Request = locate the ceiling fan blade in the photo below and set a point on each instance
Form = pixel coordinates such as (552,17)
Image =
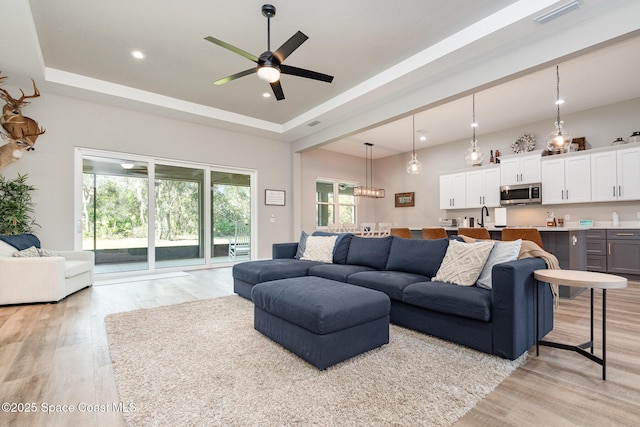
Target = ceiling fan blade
(290,45)
(237,50)
(301,72)
(277,90)
(235,76)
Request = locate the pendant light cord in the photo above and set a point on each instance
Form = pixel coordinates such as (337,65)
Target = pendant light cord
(558,92)
(473,124)
(413,135)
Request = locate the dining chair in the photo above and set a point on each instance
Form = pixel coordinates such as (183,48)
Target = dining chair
(405,233)
(384,229)
(531,234)
(333,227)
(475,233)
(367,229)
(349,227)
(431,233)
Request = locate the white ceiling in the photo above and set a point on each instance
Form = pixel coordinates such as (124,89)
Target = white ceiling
(381,53)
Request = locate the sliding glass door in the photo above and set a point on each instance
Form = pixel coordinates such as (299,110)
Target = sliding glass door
(139,213)
(115,212)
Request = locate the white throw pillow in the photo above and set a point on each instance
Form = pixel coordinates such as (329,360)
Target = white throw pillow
(501,252)
(319,248)
(6,249)
(463,262)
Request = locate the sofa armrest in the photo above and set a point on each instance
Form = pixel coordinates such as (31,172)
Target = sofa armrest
(284,250)
(31,279)
(514,304)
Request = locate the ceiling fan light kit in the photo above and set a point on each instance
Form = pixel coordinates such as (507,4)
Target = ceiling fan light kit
(270,64)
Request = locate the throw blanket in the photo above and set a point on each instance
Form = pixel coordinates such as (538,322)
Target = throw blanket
(21,241)
(529,249)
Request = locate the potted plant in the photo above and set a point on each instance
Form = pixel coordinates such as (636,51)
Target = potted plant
(16,207)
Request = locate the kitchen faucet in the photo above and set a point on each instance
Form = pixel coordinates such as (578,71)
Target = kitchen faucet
(482,211)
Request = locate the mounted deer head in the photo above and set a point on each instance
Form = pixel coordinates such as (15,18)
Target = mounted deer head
(22,129)
(11,151)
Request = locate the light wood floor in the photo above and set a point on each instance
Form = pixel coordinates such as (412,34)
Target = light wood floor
(57,354)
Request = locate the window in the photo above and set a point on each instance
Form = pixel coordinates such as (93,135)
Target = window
(142,213)
(331,209)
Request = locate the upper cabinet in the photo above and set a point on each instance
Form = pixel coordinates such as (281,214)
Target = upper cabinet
(566,179)
(483,188)
(615,175)
(520,169)
(452,191)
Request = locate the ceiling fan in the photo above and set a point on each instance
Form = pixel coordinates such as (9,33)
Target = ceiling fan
(270,64)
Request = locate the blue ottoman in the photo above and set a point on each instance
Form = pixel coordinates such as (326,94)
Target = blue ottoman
(322,321)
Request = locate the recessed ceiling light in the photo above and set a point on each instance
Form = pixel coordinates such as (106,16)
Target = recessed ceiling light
(137,54)
(266,95)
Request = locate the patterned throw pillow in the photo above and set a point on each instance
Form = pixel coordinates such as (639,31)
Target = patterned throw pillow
(29,252)
(319,248)
(463,262)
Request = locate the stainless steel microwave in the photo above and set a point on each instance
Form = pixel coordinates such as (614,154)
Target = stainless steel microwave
(521,194)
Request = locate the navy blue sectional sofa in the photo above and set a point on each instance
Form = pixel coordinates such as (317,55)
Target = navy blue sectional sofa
(498,321)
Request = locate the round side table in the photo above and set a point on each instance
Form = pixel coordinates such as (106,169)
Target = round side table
(582,279)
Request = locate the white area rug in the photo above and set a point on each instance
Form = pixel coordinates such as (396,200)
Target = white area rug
(202,363)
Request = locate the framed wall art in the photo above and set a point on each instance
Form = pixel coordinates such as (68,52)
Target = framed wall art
(405,200)
(274,197)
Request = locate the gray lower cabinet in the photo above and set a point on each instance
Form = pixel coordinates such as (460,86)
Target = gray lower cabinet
(623,251)
(614,251)
(597,250)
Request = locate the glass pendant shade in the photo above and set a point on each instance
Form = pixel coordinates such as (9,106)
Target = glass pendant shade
(559,140)
(414,167)
(474,155)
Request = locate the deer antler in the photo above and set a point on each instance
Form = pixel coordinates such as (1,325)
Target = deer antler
(16,103)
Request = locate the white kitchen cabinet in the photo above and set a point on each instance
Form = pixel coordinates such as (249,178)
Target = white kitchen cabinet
(483,188)
(615,175)
(566,179)
(520,169)
(452,191)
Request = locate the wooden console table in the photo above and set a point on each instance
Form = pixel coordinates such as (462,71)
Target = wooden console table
(582,279)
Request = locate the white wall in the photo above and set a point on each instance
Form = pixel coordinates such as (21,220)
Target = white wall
(73,123)
(600,126)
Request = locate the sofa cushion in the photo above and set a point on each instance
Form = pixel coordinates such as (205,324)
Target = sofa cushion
(30,252)
(341,249)
(472,301)
(370,252)
(390,282)
(463,262)
(21,241)
(417,256)
(253,272)
(319,248)
(336,272)
(73,268)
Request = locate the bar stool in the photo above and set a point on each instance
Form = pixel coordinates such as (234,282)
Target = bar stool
(405,233)
(475,233)
(531,234)
(434,233)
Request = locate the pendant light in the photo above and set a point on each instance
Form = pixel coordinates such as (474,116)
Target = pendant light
(414,167)
(368,190)
(559,140)
(474,155)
